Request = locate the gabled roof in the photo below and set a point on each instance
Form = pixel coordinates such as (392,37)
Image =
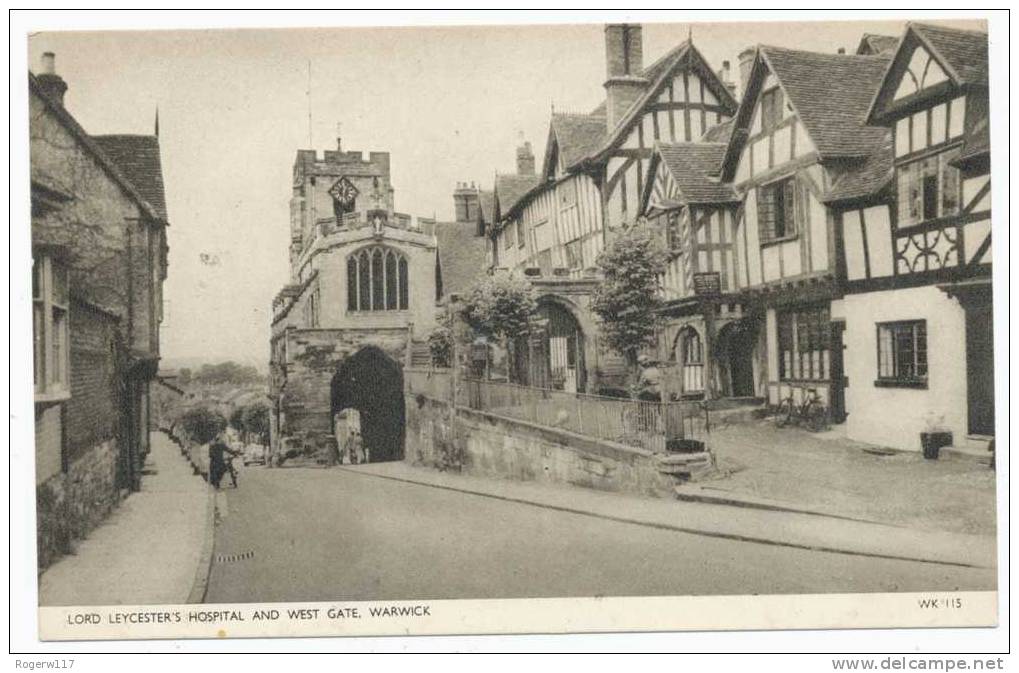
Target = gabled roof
(461,256)
(866,177)
(138,158)
(650,73)
(719,133)
(104,161)
(509,189)
(830,94)
(692,166)
(962,54)
(871,44)
(575,135)
(658,75)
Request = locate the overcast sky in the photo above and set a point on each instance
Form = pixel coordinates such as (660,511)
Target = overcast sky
(449,104)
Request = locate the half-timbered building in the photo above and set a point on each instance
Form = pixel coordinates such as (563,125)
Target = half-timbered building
(913,227)
(799,127)
(594,171)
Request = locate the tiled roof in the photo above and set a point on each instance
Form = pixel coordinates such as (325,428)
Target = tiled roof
(876,44)
(692,165)
(461,255)
(865,177)
(578,135)
(139,160)
(486,204)
(89,143)
(655,75)
(510,188)
(977,141)
(719,133)
(831,94)
(964,51)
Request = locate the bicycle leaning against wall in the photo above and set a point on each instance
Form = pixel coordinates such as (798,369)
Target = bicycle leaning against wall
(809,413)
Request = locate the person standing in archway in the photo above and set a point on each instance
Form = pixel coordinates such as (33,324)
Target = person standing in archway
(355,447)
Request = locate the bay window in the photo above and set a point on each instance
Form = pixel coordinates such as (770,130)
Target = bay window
(928,188)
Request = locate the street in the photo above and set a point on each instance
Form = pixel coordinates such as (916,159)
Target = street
(299,534)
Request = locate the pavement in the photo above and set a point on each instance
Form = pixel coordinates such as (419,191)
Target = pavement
(394,531)
(153,549)
(759,525)
(791,468)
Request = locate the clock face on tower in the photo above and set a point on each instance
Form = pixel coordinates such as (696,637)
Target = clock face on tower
(344,192)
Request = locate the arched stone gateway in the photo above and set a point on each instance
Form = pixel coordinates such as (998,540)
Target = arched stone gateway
(564,349)
(372,383)
(735,349)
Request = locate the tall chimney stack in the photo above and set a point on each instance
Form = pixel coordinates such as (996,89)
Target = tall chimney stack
(52,84)
(525,159)
(746,62)
(624,65)
(725,75)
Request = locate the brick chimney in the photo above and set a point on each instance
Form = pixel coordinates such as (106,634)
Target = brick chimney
(746,62)
(52,84)
(624,61)
(725,75)
(465,202)
(525,159)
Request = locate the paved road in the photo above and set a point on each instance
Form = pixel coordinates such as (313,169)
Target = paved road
(319,535)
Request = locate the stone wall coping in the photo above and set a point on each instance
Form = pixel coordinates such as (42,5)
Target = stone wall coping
(570,440)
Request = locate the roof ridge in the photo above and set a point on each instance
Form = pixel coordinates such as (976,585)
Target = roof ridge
(772,47)
(935,26)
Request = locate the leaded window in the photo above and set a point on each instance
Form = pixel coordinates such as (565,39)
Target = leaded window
(377,280)
(804,344)
(902,353)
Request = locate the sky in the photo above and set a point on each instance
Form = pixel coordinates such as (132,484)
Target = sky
(449,103)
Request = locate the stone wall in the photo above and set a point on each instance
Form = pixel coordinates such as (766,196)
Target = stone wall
(69,505)
(305,394)
(497,446)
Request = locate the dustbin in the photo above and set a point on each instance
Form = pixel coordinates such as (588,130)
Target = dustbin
(932,443)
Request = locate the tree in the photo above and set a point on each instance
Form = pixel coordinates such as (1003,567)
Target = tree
(237,420)
(627,300)
(256,421)
(500,307)
(202,424)
(440,345)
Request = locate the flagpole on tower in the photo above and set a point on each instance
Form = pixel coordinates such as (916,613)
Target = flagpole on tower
(311,144)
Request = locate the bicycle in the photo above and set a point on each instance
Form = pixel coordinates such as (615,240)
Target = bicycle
(810,412)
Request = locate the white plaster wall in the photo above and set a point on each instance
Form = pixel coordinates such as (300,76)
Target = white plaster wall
(895,417)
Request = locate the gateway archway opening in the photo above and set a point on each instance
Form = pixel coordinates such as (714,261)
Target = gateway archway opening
(371,383)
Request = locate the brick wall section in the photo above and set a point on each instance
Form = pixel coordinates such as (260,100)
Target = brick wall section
(92,413)
(496,446)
